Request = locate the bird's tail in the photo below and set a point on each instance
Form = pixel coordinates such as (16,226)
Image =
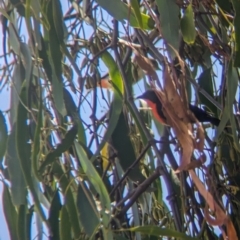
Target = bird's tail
(203,116)
(213,120)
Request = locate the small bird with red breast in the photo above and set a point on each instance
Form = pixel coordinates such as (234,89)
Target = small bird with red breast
(155,104)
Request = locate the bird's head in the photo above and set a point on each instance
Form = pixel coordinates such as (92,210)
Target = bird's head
(149,95)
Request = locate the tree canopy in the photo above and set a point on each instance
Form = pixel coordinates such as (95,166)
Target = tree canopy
(81,158)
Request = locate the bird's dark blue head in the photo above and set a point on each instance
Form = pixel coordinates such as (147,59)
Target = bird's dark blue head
(149,95)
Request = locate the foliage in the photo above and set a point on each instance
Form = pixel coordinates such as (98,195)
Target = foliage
(78,158)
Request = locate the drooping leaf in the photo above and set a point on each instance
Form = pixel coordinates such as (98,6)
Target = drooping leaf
(58,20)
(37,138)
(121,11)
(18,76)
(205,82)
(232,83)
(122,144)
(177,190)
(3,136)
(100,188)
(54,215)
(14,40)
(44,56)
(65,225)
(116,105)
(72,111)
(169,22)
(88,213)
(55,58)
(21,222)
(23,148)
(18,185)
(66,143)
(70,205)
(188,25)
(236,6)
(27,61)
(10,212)
(137,13)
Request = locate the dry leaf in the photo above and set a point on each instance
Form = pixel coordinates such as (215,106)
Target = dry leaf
(199,142)
(178,119)
(220,216)
(196,163)
(145,64)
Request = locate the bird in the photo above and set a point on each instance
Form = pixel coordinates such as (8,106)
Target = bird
(155,104)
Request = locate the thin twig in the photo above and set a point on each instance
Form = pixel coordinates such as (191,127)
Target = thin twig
(141,189)
(131,167)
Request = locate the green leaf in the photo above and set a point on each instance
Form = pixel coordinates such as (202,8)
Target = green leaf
(27,61)
(54,211)
(100,188)
(58,19)
(122,144)
(23,148)
(3,136)
(232,84)
(66,143)
(188,25)
(18,185)
(205,82)
(14,40)
(65,185)
(57,88)
(37,138)
(29,218)
(6,15)
(70,104)
(54,44)
(121,11)
(21,130)
(116,105)
(55,59)
(37,34)
(81,133)
(236,7)
(176,185)
(169,21)
(224,120)
(18,76)
(21,222)
(136,8)
(157,231)
(36,10)
(45,57)
(88,213)
(65,225)
(72,111)
(10,212)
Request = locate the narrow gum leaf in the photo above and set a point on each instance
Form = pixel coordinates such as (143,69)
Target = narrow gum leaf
(121,12)
(137,13)
(188,25)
